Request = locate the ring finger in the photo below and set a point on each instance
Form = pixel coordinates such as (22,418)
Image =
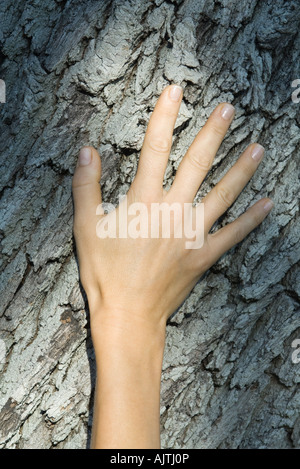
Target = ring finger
(222,196)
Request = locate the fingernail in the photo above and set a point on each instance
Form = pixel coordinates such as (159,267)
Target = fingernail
(257,153)
(175,93)
(227,111)
(85,156)
(268,206)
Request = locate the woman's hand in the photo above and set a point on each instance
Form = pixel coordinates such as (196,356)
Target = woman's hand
(134,284)
(148,278)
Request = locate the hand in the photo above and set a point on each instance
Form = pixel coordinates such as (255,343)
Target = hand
(134,284)
(147,279)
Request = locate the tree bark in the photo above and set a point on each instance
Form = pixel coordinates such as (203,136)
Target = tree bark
(89,73)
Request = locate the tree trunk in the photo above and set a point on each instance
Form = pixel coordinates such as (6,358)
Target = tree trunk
(89,72)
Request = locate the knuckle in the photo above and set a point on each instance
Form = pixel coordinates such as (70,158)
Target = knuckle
(74,181)
(217,130)
(238,234)
(225,195)
(248,170)
(202,162)
(169,113)
(80,178)
(256,218)
(159,145)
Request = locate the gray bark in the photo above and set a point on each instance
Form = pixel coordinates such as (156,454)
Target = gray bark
(90,72)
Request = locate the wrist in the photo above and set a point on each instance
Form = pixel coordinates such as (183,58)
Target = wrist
(135,339)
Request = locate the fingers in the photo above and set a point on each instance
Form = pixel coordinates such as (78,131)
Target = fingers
(199,157)
(157,142)
(222,196)
(85,186)
(232,234)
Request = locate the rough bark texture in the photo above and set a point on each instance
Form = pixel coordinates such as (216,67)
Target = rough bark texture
(89,72)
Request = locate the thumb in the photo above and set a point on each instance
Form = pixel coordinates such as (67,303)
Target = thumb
(86,186)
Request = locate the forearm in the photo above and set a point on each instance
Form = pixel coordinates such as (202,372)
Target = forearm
(127,399)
